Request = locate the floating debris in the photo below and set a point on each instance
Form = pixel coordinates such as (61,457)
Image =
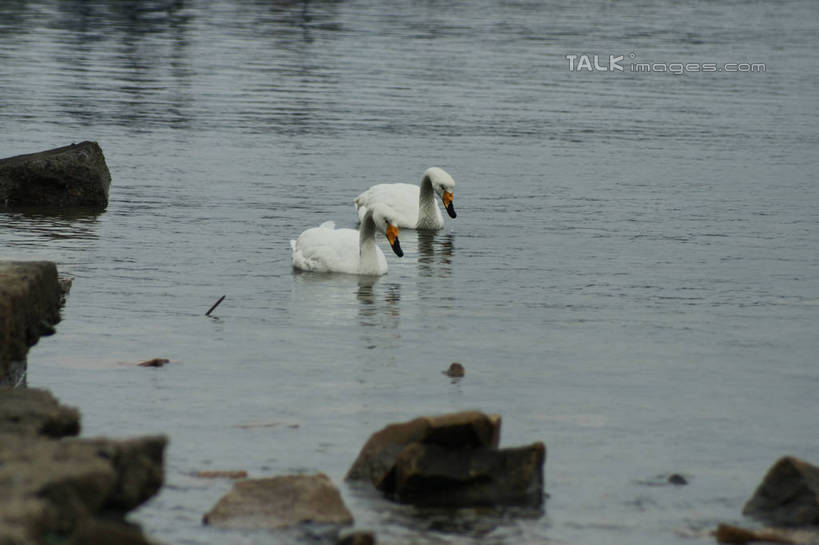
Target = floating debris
(156,362)
(456,370)
(220,474)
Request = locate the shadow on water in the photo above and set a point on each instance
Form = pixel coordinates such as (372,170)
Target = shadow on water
(53,223)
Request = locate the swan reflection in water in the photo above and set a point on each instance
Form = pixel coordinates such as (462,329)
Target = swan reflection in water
(435,253)
(379,304)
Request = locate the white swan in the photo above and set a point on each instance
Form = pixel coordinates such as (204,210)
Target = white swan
(414,206)
(327,249)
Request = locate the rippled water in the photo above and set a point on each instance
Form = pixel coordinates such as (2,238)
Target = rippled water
(632,278)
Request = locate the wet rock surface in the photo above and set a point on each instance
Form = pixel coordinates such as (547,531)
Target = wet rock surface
(30,299)
(788,495)
(57,489)
(281,502)
(469,429)
(451,460)
(70,176)
(431,475)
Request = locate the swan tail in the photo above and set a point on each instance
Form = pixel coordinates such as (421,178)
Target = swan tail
(328,225)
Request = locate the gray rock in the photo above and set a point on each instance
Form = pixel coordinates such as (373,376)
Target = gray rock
(70,176)
(32,412)
(451,460)
(788,495)
(280,502)
(30,298)
(469,429)
(59,490)
(431,475)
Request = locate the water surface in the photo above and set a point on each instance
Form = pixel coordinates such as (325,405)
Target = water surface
(632,277)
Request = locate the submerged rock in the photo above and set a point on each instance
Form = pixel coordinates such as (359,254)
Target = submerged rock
(727,533)
(357,538)
(280,502)
(221,474)
(70,176)
(788,495)
(451,460)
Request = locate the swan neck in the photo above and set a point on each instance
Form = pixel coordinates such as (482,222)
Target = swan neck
(368,259)
(427,211)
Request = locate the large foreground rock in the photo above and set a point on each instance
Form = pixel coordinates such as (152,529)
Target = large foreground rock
(33,412)
(788,495)
(280,502)
(70,176)
(73,491)
(453,461)
(30,298)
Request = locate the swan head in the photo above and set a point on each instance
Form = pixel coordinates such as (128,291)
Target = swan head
(444,186)
(384,217)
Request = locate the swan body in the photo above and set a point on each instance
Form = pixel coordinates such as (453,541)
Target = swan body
(414,205)
(327,249)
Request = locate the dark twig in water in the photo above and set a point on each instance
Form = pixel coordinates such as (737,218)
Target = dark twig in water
(216,304)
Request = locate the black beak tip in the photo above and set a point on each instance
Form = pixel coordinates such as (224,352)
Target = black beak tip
(396,247)
(451,211)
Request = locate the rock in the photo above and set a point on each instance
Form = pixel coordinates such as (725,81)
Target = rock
(139,467)
(156,362)
(469,429)
(451,460)
(70,176)
(788,495)
(432,475)
(94,531)
(456,370)
(677,479)
(280,502)
(61,490)
(30,298)
(32,412)
(727,533)
(357,538)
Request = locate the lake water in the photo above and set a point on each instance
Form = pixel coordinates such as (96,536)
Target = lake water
(632,278)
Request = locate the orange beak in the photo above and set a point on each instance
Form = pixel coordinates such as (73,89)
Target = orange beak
(447,199)
(392,238)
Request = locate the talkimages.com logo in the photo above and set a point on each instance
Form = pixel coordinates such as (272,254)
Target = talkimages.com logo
(583,62)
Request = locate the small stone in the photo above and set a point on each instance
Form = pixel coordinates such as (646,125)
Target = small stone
(156,362)
(677,479)
(456,370)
